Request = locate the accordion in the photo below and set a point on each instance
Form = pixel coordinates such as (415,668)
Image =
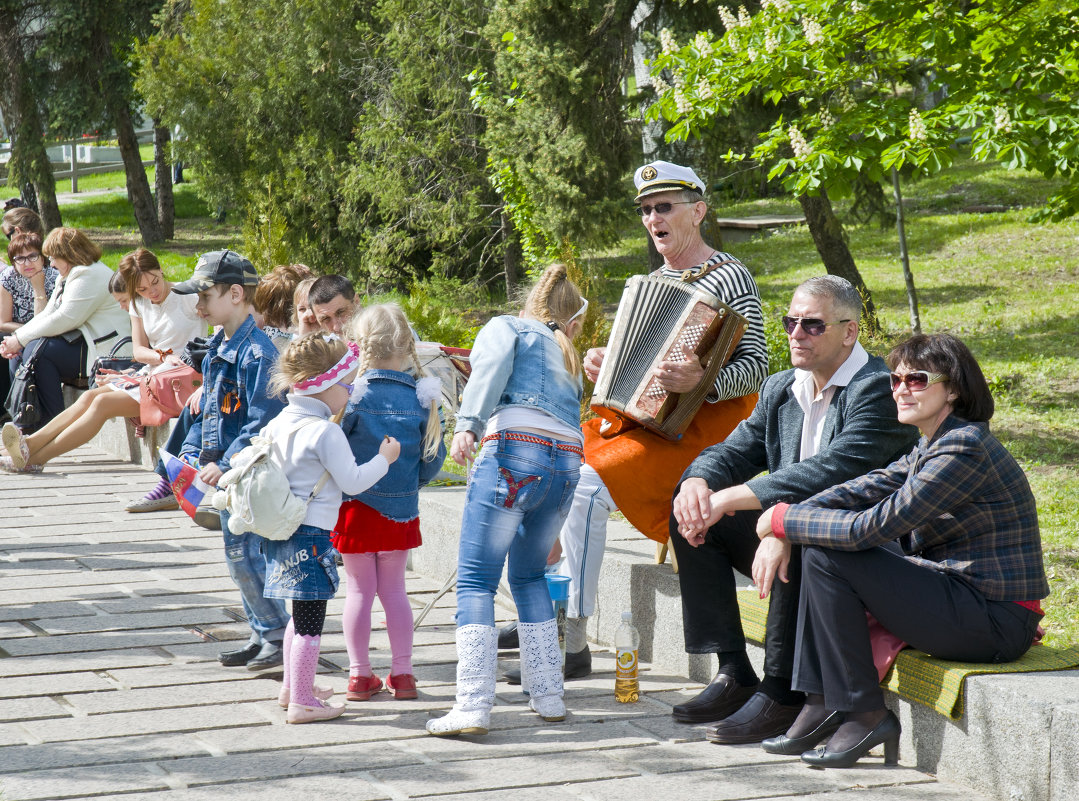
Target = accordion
(657,319)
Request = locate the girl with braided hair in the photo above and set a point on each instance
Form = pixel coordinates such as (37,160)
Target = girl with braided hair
(377,528)
(316,371)
(523,406)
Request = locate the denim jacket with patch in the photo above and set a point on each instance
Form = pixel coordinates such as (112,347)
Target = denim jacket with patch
(517,362)
(236,403)
(389,407)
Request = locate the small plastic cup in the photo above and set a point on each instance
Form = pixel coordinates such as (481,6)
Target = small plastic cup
(558,587)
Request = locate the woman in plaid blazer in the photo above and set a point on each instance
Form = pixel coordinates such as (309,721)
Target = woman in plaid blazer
(941,546)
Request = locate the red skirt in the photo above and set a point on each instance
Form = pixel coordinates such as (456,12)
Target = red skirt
(361,529)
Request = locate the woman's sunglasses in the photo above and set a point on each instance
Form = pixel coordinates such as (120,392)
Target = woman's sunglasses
(811,325)
(917,381)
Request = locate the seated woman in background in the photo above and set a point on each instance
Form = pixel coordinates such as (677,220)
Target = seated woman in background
(162,323)
(19,220)
(964,582)
(25,287)
(80,322)
(274,301)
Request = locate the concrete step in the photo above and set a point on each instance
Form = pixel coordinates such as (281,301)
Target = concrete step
(1019,737)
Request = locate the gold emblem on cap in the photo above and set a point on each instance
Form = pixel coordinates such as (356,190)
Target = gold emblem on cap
(648,173)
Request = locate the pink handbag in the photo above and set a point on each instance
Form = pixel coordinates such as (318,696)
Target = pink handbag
(163,393)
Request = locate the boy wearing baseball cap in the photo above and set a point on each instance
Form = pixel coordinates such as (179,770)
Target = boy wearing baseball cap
(236,404)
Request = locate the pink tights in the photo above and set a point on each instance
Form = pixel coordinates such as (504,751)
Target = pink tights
(381,574)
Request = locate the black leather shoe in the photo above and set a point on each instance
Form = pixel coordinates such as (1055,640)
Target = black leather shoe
(241,656)
(269,656)
(507,637)
(578,666)
(886,732)
(794,746)
(759,718)
(722,697)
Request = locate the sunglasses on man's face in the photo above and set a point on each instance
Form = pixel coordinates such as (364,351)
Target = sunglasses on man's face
(661,208)
(811,325)
(917,380)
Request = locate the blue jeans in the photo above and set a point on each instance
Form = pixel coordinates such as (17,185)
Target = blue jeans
(519,494)
(247,566)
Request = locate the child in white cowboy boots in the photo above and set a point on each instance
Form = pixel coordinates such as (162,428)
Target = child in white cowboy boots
(522,405)
(316,371)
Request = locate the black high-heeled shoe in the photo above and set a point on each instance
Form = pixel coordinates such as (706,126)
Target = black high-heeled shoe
(886,732)
(793,746)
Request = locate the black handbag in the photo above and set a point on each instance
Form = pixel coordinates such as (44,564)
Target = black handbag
(113,362)
(23,403)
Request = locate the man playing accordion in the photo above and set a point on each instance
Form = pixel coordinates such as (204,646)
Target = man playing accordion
(637,471)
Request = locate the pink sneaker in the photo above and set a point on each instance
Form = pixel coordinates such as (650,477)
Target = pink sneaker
(301,713)
(321,693)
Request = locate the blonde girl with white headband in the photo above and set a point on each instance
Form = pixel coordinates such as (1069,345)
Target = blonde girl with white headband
(522,407)
(376,529)
(317,372)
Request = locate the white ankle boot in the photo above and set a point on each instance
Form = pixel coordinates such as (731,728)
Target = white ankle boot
(477,657)
(541,668)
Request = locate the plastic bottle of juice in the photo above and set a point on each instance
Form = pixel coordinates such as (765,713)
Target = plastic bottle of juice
(626,642)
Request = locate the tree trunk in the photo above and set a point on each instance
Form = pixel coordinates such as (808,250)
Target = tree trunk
(166,207)
(831,241)
(511,256)
(904,256)
(29,164)
(138,187)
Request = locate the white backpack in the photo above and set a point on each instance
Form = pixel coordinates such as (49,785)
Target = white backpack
(256,492)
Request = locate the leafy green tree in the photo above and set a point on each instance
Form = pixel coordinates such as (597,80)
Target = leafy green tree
(23,73)
(89,45)
(881,86)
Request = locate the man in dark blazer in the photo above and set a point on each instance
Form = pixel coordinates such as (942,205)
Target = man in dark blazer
(830,419)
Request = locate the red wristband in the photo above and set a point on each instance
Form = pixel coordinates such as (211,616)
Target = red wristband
(778,511)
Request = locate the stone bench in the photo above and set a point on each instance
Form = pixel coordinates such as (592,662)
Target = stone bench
(1018,739)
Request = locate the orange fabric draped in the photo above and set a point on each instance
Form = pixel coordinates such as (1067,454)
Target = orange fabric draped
(641,469)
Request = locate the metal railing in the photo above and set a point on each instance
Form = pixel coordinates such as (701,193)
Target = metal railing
(70,168)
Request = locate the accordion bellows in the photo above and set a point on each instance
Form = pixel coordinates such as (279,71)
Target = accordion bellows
(658,317)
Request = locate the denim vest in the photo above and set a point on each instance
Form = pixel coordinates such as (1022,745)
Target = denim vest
(236,403)
(389,407)
(517,362)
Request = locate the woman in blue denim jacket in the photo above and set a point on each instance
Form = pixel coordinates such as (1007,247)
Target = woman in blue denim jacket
(376,529)
(522,403)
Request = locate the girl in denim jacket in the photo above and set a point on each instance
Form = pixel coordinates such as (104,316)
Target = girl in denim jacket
(316,371)
(375,529)
(522,405)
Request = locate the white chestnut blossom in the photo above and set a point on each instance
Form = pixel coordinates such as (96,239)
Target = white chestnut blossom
(770,42)
(846,100)
(666,41)
(743,17)
(730,22)
(703,46)
(660,85)
(1002,121)
(681,102)
(856,7)
(704,89)
(799,145)
(811,28)
(826,118)
(916,126)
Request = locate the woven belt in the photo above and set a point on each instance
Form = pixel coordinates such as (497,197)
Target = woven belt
(577,449)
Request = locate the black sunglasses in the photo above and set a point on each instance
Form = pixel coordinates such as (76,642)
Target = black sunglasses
(917,380)
(661,208)
(811,325)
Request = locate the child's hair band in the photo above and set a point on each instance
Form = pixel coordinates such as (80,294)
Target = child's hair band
(312,386)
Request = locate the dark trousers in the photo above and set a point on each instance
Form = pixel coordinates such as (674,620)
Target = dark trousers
(57,360)
(710,619)
(7,368)
(176,439)
(936,612)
